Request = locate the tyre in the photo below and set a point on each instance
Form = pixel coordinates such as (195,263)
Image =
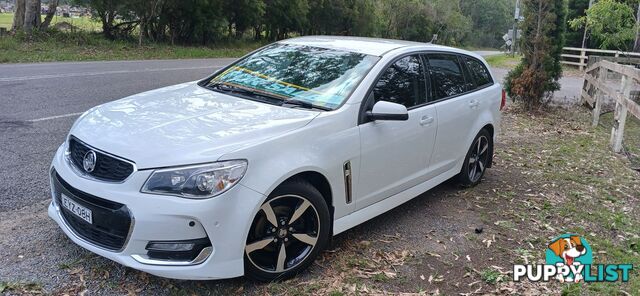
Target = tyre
(287,233)
(477,159)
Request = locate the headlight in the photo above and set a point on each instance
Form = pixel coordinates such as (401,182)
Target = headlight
(198,181)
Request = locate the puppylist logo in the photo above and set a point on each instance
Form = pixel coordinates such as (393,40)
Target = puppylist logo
(569,259)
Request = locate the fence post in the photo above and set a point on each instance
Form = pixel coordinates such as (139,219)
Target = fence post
(583,59)
(599,95)
(620,115)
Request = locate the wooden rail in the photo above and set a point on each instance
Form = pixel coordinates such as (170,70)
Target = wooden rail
(596,89)
(580,56)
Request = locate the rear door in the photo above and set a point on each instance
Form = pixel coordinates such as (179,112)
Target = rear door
(395,154)
(456,106)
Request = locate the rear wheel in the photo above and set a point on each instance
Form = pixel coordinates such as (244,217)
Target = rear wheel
(288,232)
(477,159)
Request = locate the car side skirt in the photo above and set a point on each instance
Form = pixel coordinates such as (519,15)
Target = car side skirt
(345,223)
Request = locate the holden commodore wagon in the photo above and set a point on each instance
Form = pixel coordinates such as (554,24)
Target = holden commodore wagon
(252,170)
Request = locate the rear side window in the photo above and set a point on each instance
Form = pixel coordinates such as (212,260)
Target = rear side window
(446,75)
(402,83)
(479,72)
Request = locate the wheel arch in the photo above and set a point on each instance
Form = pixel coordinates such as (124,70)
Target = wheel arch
(320,182)
(489,127)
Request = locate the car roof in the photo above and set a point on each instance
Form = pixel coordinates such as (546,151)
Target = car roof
(364,45)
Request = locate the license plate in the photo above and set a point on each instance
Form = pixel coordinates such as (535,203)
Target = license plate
(77,209)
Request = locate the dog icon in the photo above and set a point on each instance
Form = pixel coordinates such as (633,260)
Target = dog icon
(568,249)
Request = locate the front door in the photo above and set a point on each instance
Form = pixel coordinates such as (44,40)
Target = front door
(395,154)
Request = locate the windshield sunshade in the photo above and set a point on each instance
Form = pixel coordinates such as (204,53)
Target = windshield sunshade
(318,76)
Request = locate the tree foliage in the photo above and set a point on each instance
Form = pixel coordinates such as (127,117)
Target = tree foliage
(536,77)
(283,17)
(106,11)
(576,9)
(456,22)
(611,23)
(490,18)
(344,17)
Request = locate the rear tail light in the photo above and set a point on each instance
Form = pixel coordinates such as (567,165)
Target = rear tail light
(504,100)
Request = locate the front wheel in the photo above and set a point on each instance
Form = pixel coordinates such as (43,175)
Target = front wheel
(477,159)
(287,233)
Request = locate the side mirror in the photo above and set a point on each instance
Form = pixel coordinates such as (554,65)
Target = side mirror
(383,110)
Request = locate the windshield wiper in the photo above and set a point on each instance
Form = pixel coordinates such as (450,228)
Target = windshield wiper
(303,104)
(265,98)
(227,88)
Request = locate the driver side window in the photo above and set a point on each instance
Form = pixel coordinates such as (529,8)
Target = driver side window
(402,83)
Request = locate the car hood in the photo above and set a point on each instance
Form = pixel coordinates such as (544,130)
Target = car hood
(183,124)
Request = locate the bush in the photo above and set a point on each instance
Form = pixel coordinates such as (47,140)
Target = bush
(536,78)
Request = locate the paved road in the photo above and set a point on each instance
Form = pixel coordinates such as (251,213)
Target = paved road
(39,102)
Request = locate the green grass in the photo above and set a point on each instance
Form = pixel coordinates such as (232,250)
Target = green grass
(631,140)
(479,48)
(82,23)
(503,61)
(598,192)
(491,276)
(21,288)
(84,46)
(87,44)
(6,20)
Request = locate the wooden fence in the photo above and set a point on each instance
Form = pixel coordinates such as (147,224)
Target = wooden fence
(580,56)
(597,87)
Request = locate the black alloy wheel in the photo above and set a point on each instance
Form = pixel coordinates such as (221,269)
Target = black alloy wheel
(477,159)
(288,232)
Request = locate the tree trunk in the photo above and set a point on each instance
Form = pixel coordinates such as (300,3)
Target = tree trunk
(636,45)
(257,30)
(18,16)
(32,15)
(107,24)
(53,5)
(142,28)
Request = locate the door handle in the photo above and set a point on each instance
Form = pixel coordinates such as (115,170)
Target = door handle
(473,104)
(426,120)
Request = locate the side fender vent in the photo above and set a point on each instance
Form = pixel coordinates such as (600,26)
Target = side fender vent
(346,169)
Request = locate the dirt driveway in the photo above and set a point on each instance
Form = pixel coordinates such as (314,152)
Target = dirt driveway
(552,174)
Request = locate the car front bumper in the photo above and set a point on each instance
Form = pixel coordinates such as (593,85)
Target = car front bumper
(225,220)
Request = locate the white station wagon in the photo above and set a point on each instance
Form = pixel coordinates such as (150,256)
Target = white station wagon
(252,170)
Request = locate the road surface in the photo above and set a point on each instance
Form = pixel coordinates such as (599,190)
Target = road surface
(39,103)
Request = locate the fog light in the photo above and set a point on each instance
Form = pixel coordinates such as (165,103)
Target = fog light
(170,247)
(185,250)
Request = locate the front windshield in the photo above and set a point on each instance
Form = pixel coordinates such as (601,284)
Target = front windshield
(317,76)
